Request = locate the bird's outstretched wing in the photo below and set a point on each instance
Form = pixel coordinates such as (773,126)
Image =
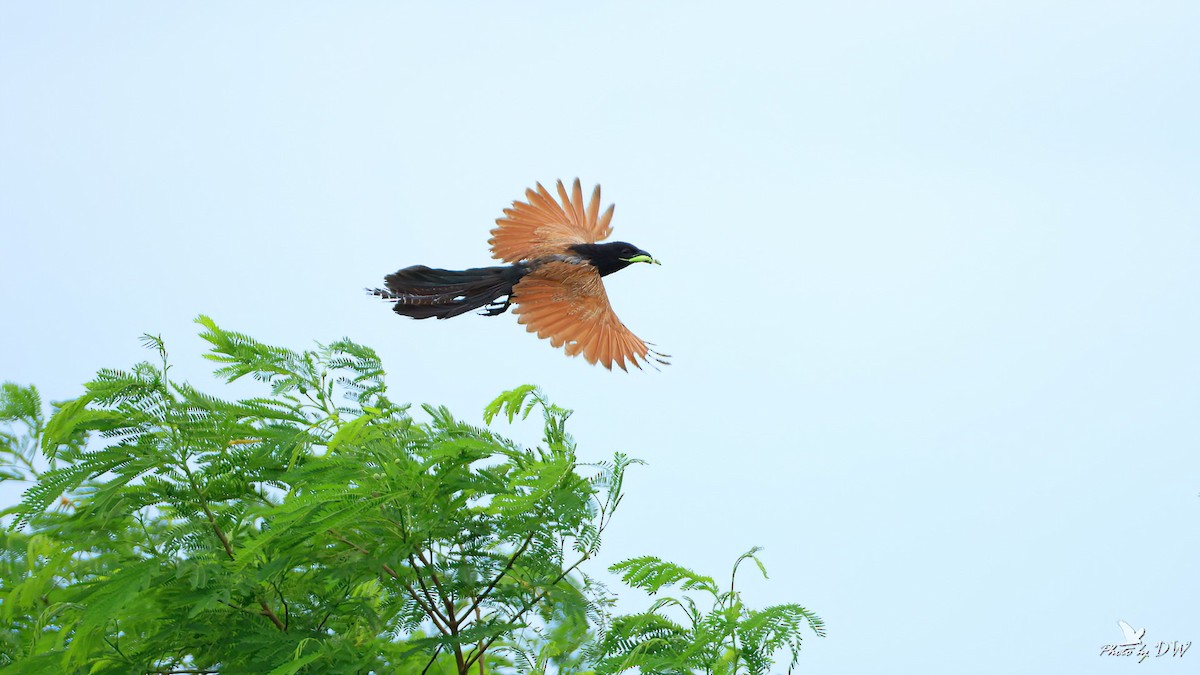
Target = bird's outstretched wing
(567,304)
(542,226)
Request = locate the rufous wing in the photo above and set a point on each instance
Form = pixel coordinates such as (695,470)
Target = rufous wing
(541,226)
(567,304)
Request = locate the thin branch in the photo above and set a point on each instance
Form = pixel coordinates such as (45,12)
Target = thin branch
(512,560)
(19,454)
(386,568)
(528,606)
(321,626)
(448,621)
(212,520)
(446,599)
(430,609)
(148,542)
(448,602)
(431,659)
(333,606)
(116,646)
(286,614)
(478,619)
(266,611)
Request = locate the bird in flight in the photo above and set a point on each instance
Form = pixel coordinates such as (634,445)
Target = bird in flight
(554,278)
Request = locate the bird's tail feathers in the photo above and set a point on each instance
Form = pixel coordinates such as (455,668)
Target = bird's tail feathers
(423,292)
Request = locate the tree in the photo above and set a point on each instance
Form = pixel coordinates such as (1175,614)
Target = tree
(324,528)
(728,638)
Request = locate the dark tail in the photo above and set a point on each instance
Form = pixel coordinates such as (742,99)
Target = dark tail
(422,292)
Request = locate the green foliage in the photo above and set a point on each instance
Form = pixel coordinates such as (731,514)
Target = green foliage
(728,638)
(321,528)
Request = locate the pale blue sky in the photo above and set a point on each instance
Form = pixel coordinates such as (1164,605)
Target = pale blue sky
(930,273)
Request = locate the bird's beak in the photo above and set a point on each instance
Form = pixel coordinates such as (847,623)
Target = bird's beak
(642,257)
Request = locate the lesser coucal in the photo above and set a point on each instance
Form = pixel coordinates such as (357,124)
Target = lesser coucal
(554,279)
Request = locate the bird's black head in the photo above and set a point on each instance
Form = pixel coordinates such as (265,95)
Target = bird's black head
(612,257)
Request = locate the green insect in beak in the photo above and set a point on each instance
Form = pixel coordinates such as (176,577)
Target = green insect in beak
(644,257)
